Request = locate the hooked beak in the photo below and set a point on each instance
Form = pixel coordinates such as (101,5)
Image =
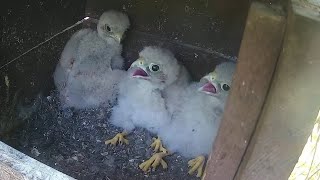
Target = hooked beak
(210,87)
(117,37)
(139,71)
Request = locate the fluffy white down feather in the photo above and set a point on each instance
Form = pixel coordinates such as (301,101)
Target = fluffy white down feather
(87,73)
(195,119)
(140,101)
(194,124)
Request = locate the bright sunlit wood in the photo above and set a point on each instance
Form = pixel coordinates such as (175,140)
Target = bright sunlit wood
(308,166)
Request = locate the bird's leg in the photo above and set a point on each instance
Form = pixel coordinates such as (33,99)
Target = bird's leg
(157,145)
(154,161)
(196,164)
(119,138)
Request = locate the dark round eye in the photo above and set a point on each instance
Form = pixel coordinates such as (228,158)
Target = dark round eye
(225,87)
(155,68)
(108,28)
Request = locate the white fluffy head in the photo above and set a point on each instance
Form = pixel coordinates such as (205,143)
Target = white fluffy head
(156,65)
(218,82)
(113,24)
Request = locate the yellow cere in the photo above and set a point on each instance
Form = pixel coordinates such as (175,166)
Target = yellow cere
(141,61)
(213,76)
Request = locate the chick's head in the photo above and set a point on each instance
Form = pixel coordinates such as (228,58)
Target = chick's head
(218,82)
(113,24)
(157,65)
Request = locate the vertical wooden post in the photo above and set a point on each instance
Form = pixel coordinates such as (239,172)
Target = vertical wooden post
(292,104)
(259,51)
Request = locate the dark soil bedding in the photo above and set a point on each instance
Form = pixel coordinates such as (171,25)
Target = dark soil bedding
(72,142)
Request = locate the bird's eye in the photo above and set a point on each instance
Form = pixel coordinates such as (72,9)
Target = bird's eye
(154,67)
(225,87)
(141,62)
(108,28)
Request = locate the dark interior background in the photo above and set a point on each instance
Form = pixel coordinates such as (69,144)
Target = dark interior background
(25,24)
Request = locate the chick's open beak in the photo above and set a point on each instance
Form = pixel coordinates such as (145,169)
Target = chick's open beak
(139,72)
(139,69)
(210,87)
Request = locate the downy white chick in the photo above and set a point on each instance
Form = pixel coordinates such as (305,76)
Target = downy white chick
(89,68)
(196,117)
(140,101)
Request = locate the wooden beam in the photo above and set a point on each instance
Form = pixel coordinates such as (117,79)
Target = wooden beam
(6,172)
(292,105)
(15,165)
(259,51)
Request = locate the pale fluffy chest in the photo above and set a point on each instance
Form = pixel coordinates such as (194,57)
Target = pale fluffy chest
(94,53)
(200,110)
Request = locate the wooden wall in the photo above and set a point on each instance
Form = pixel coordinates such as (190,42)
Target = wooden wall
(259,51)
(291,107)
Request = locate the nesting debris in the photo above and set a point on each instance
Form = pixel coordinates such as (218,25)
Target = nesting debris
(72,141)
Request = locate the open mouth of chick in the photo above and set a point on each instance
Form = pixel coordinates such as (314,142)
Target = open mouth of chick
(140,73)
(208,88)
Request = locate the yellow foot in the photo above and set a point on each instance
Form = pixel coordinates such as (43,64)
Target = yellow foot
(157,145)
(196,164)
(154,161)
(119,138)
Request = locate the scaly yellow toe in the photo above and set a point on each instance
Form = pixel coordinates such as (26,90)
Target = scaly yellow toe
(119,138)
(157,145)
(154,161)
(196,164)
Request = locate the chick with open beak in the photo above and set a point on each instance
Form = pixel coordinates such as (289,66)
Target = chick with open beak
(150,71)
(140,101)
(140,69)
(213,86)
(197,114)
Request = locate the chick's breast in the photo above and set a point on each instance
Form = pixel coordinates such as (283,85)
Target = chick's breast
(95,54)
(195,121)
(88,81)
